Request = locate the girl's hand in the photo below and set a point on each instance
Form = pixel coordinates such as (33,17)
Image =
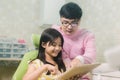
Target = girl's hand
(53,70)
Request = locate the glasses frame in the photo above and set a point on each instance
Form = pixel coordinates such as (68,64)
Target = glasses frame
(73,23)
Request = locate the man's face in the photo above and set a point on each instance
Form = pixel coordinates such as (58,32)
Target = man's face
(69,26)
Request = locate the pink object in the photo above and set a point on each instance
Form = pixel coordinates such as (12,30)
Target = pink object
(82,43)
(21,41)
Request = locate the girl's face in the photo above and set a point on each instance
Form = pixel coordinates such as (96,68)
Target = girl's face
(52,49)
(69,26)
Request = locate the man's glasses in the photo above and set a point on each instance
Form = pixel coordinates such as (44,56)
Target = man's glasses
(73,24)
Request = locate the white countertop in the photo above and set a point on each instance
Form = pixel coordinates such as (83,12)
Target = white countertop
(107,76)
(105,72)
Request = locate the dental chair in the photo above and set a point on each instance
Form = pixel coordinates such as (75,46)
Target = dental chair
(23,65)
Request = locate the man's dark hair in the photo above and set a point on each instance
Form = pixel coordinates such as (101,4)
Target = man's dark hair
(71,11)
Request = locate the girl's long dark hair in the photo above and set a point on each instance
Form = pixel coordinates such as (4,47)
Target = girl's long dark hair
(49,35)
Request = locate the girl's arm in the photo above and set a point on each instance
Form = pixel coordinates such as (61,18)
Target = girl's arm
(34,73)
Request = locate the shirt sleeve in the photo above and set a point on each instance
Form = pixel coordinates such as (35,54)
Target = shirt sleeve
(89,48)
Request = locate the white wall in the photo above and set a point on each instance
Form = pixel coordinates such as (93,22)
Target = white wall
(40,11)
(51,11)
(20,18)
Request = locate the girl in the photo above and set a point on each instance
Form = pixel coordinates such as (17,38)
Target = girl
(49,60)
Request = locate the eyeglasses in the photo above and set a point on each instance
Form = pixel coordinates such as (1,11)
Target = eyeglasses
(73,24)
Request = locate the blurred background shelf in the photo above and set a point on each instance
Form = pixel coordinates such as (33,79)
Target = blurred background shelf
(12,49)
(10,59)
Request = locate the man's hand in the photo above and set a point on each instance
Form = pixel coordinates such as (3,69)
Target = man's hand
(75,62)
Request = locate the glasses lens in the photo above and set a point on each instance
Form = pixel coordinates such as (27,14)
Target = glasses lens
(65,24)
(73,24)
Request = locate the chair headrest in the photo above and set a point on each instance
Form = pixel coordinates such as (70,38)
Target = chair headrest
(35,40)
